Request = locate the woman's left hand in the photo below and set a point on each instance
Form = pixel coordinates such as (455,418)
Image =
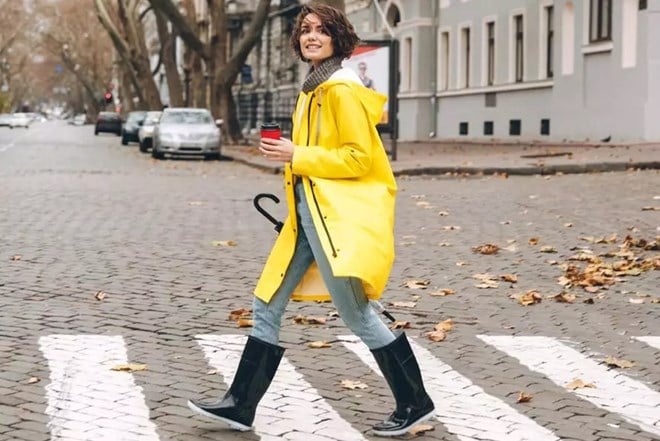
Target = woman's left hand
(279,150)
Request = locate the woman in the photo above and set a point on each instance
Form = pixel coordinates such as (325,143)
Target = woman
(340,192)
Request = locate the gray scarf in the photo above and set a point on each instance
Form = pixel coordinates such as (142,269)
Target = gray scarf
(321,73)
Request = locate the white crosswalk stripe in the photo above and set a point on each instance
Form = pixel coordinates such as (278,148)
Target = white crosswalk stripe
(291,407)
(651,341)
(86,399)
(613,391)
(464,408)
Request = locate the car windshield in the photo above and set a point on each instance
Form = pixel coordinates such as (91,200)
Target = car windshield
(152,118)
(136,116)
(186,118)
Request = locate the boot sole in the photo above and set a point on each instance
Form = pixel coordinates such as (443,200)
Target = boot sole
(232,424)
(399,432)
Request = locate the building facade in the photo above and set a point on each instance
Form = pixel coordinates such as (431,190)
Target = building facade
(554,70)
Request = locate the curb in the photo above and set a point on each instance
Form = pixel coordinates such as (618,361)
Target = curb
(596,167)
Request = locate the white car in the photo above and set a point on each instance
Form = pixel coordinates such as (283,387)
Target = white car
(187,132)
(146,130)
(19,120)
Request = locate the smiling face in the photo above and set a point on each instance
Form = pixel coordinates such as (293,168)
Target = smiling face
(315,42)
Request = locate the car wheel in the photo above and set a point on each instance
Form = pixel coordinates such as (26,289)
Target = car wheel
(124,141)
(212,157)
(143,147)
(96,133)
(155,153)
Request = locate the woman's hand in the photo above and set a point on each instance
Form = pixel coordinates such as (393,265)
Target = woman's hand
(279,150)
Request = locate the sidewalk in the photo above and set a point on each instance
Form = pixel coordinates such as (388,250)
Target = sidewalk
(458,157)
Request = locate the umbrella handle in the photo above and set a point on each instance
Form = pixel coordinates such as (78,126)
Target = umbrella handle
(267,215)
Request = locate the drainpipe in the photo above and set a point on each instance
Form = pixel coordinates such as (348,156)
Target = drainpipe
(434,70)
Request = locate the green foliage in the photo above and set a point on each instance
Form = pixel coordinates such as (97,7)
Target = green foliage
(5,103)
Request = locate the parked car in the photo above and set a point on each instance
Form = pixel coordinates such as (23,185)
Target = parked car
(186,132)
(78,120)
(19,120)
(4,119)
(146,131)
(129,131)
(108,122)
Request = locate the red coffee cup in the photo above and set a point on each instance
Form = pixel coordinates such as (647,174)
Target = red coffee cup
(271,130)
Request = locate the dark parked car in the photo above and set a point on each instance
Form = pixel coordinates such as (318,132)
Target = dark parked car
(108,122)
(129,131)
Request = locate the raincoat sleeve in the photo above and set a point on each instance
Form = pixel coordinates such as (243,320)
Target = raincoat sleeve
(351,156)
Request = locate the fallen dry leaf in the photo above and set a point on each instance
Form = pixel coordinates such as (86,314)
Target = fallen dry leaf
(533,241)
(564,297)
(224,243)
(618,362)
(461,263)
(530,298)
(511,278)
(33,380)
(443,292)
(239,313)
(443,213)
(244,323)
(403,304)
(400,324)
(524,397)
(130,367)
(637,301)
(568,225)
(436,335)
(417,284)
(16,257)
(578,384)
(308,320)
(100,295)
(548,249)
(353,384)
(655,300)
(195,203)
(487,249)
(650,208)
(445,325)
(420,429)
(319,345)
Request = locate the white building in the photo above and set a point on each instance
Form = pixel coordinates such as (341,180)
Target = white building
(523,69)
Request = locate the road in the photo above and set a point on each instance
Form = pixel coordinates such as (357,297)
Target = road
(110,258)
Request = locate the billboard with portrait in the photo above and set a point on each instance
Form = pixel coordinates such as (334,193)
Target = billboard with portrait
(375,62)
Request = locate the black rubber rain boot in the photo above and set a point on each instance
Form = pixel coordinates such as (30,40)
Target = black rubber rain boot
(255,372)
(413,405)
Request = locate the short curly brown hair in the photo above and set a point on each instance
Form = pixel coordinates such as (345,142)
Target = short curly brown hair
(336,24)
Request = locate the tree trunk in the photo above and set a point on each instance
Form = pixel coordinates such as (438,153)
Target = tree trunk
(168,57)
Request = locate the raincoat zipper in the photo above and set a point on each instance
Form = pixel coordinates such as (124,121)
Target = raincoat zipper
(311,184)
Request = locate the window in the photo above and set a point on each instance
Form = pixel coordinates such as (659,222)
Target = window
(465,58)
(444,60)
(514,127)
(549,42)
(463,128)
(519,48)
(490,32)
(600,20)
(545,126)
(643,4)
(488,128)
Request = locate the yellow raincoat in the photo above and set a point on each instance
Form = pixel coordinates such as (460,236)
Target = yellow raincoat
(349,185)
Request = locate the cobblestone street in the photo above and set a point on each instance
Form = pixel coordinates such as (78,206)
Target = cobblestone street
(81,214)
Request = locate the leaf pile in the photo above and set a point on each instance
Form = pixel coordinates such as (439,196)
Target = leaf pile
(591,272)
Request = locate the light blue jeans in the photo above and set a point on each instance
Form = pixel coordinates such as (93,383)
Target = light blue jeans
(347,293)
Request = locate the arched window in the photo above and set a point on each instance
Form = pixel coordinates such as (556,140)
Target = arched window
(393,16)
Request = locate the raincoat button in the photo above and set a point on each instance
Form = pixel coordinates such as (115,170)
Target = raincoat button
(281,274)
(288,183)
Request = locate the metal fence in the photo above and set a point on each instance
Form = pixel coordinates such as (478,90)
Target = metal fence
(257,106)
